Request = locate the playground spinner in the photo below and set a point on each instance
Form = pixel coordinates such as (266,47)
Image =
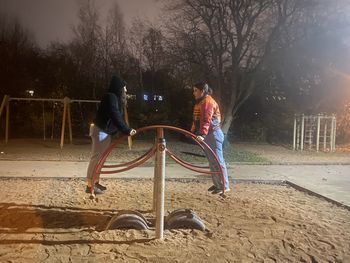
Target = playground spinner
(159,150)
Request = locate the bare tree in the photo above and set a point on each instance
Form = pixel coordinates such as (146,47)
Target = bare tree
(112,39)
(136,40)
(17,49)
(230,40)
(153,51)
(85,44)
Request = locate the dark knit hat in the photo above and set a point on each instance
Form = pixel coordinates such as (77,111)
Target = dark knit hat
(116,85)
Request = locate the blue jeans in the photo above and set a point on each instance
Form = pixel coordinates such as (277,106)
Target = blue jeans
(100,142)
(215,139)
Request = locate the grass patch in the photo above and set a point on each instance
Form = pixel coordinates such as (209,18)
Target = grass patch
(235,155)
(231,154)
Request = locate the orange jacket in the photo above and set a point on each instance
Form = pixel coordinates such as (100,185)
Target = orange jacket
(206,116)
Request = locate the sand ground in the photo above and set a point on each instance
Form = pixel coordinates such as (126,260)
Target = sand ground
(53,220)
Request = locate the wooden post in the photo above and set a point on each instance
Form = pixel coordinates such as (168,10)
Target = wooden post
(69,121)
(53,120)
(63,121)
(7,121)
(4,103)
(44,123)
(126,117)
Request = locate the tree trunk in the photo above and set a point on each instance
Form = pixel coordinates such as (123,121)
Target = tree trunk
(229,117)
(237,101)
(227,124)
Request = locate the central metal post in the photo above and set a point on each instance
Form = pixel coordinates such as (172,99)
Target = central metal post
(159,182)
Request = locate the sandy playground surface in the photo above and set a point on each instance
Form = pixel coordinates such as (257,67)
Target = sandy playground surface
(53,220)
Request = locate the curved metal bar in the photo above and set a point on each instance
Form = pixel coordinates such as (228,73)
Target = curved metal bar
(202,144)
(105,154)
(135,164)
(103,158)
(131,162)
(187,165)
(180,161)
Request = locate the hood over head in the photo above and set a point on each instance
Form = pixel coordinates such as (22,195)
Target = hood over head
(116,85)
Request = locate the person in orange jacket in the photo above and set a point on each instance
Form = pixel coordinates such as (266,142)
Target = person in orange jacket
(206,125)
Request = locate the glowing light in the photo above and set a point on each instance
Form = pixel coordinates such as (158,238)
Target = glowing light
(31,92)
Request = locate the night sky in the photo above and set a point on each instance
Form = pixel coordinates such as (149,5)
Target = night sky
(51,20)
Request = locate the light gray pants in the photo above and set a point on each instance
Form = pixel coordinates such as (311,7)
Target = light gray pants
(100,142)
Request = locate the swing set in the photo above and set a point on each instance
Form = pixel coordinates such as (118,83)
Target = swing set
(66,116)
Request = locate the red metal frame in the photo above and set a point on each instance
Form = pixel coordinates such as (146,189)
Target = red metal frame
(188,165)
(131,162)
(140,160)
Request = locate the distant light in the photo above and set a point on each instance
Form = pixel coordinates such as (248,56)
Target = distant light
(131,96)
(154,97)
(158,97)
(31,92)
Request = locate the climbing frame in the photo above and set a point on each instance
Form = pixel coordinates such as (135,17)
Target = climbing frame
(312,131)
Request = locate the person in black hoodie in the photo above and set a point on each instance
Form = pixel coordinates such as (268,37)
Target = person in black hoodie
(109,120)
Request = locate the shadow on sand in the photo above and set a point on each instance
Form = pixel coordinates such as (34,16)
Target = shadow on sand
(22,219)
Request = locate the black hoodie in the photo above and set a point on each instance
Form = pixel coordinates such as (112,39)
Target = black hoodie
(109,117)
